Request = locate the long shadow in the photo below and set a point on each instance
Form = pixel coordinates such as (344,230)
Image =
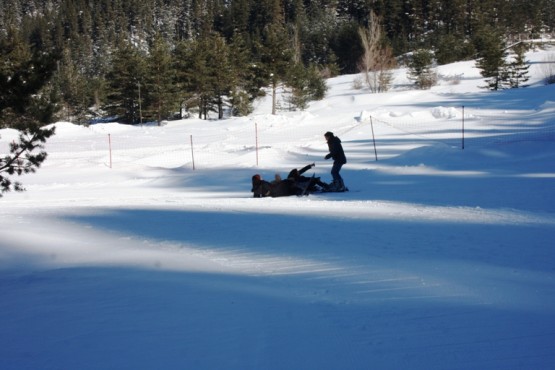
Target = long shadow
(441,174)
(347,241)
(101,318)
(390,292)
(491,176)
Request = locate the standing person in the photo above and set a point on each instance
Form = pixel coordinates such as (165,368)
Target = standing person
(339,159)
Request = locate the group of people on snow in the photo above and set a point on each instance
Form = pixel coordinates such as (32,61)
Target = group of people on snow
(298,184)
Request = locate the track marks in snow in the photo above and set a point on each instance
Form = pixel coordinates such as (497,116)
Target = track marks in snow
(328,279)
(375,210)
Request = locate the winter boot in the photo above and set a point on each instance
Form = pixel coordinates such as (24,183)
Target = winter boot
(341,186)
(333,186)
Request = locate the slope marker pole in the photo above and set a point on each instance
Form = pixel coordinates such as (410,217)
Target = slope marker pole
(374,138)
(192,153)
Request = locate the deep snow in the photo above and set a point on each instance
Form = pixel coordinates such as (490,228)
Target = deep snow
(438,257)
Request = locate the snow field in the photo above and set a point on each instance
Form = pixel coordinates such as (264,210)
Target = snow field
(438,257)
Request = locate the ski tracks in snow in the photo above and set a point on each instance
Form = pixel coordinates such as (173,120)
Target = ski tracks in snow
(363,275)
(340,277)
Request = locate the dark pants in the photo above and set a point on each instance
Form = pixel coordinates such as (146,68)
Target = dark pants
(335,172)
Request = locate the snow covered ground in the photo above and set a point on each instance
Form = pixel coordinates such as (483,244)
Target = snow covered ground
(157,257)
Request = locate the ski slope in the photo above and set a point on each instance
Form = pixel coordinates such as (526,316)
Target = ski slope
(154,255)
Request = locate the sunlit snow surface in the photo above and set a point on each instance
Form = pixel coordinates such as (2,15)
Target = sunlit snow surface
(155,255)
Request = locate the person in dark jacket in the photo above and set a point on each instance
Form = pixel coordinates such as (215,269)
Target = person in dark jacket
(339,159)
(283,188)
(262,188)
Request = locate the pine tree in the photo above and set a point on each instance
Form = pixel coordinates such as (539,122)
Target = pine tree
(246,86)
(24,106)
(219,72)
(347,51)
(326,34)
(316,28)
(263,14)
(182,59)
(159,82)
(276,57)
(452,15)
(396,23)
(518,69)
(73,89)
(451,48)
(204,73)
(10,17)
(356,10)
(128,72)
(421,69)
(198,73)
(235,18)
(306,84)
(492,61)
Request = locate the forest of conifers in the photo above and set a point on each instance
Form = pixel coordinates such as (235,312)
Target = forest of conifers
(148,59)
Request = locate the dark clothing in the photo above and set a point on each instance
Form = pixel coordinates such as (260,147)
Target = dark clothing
(262,188)
(303,183)
(335,171)
(336,150)
(338,155)
(296,174)
(283,188)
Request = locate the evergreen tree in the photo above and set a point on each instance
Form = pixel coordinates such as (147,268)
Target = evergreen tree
(236,18)
(356,10)
(346,46)
(264,13)
(10,17)
(198,77)
(246,85)
(183,26)
(159,100)
(219,72)
(276,57)
(128,73)
(73,89)
(418,24)
(326,32)
(24,106)
(306,84)
(395,22)
(492,61)
(518,69)
(205,74)
(316,32)
(421,69)
(451,17)
(451,48)
(184,75)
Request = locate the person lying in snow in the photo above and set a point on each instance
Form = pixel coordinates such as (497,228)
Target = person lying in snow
(295,184)
(260,188)
(306,184)
(277,188)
